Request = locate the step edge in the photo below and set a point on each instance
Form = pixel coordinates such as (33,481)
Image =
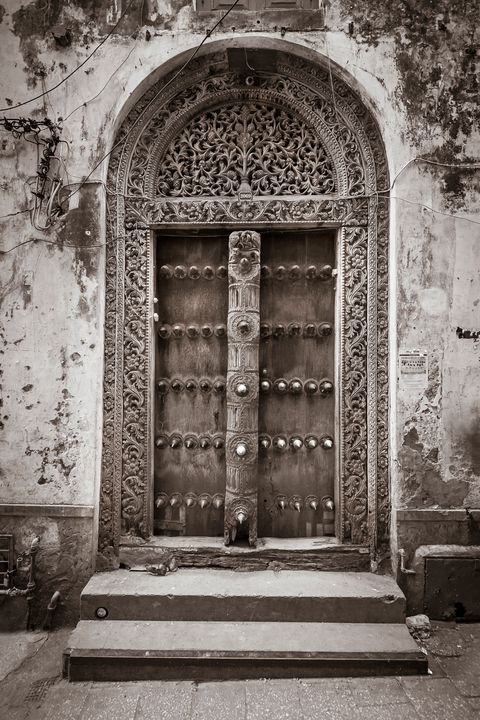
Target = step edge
(246,655)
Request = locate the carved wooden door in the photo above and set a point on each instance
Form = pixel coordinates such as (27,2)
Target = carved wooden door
(297,399)
(244,394)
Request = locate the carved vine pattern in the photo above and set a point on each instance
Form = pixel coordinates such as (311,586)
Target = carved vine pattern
(352,144)
(354,384)
(269,150)
(242,385)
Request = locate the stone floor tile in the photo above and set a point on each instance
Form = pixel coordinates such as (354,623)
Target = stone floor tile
(330,688)
(164,701)
(218,701)
(377,691)
(463,668)
(469,631)
(474,702)
(467,687)
(109,704)
(435,667)
(437,699)
(326,700)
(17,647)
(273,700)
(465,675)
(63,701)
(446,641)
(464,671)
(397,711)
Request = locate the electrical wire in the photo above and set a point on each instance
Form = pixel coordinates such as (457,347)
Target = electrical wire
(50,242)
(376,193)
(87,102)
(13,214)
(84,62)
(162,89)
(461,218)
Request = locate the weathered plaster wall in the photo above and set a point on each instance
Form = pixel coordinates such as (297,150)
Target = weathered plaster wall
(438,291)
(415,63)
(52,307)
(63,560)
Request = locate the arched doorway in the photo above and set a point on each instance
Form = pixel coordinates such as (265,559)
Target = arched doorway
(282,153)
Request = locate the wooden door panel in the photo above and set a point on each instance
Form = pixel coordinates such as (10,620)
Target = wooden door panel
(297,312)
(296,355)
(190,371)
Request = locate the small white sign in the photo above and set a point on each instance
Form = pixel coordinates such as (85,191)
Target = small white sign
(413,369)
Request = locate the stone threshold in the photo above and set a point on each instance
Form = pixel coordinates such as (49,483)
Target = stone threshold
(320,553)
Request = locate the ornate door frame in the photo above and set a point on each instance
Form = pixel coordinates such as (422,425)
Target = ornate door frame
(137,204)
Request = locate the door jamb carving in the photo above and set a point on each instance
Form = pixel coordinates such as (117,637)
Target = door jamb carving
(364,502)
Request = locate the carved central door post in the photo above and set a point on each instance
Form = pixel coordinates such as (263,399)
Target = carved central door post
(242,385)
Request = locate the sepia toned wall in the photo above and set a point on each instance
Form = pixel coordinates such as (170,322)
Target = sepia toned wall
(416,67)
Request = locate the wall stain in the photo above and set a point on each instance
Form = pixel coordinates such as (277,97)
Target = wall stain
(33,22)
(56,460)
(436,96)
(471,443)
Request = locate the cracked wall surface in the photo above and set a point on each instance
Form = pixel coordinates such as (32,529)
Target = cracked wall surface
(416,64)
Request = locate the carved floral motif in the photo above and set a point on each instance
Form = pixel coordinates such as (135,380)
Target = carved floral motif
(345,211)
(242,384)
(250,149)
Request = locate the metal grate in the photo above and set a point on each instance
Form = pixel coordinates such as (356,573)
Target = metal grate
(38,689)
(6,561)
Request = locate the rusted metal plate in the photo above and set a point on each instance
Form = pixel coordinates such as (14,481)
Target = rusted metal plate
(452,588)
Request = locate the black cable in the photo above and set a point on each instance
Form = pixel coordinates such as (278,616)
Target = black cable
(162,89)
(50,242)
(59,243)
(86,102)
(37,97)
(18,212)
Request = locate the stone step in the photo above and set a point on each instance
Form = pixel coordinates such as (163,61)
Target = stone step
(226,595)
(129,650)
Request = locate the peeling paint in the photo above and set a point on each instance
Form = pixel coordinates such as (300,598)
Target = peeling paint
(440,97)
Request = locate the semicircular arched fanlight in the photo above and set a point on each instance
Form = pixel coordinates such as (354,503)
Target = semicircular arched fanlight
(245,150)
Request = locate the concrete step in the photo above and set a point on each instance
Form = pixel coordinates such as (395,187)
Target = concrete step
(226,595)
(128,650)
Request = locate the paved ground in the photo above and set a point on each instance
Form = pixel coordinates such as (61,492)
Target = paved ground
(31,688)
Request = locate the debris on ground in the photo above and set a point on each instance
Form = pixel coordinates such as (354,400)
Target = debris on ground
(419,626)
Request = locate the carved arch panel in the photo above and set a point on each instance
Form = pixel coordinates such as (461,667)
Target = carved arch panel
(330,165)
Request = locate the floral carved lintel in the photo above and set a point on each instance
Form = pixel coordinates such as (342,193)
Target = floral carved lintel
(341,211)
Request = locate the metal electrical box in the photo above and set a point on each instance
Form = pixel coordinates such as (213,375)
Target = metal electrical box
(452,588)
(6,561)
